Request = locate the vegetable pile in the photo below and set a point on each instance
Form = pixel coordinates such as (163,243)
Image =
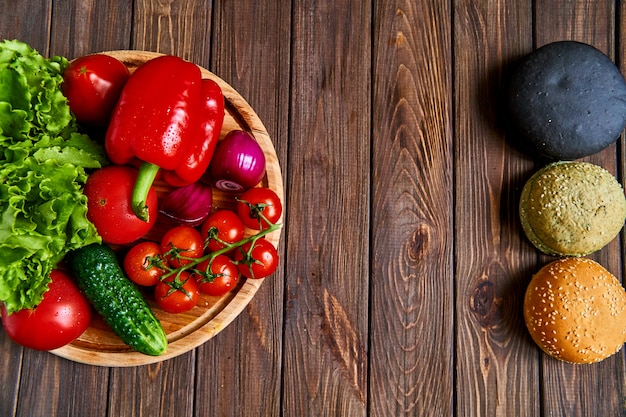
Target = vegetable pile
(43,162)
(91,205)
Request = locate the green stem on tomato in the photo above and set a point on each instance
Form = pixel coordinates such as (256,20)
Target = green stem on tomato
(210,256)
(145,178)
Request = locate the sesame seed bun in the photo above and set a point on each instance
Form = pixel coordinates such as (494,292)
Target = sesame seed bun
(572,208)
(575,310)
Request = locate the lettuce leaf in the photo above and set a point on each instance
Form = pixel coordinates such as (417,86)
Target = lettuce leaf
(43,163)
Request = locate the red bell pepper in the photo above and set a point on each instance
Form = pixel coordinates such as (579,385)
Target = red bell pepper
(205,141)
(166,118)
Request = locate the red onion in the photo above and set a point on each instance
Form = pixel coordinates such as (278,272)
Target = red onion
(189,205)
(238,162)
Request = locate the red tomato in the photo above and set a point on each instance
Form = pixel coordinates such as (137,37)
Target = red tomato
(177,293)
(62,316)
(221,276)
(258,262)
(144,263)
(109,206)
(222,226)
(258,206)
(181,242)
(92,85)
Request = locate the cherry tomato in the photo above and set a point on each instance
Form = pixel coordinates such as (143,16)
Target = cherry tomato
(62,316)
(177,293)
(257,206)
(222,226)
(144,263)
(259,262)
(181,242)
(92,85)
(109,206)
(221,276)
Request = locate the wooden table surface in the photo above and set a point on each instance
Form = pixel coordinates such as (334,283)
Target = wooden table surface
(403,260)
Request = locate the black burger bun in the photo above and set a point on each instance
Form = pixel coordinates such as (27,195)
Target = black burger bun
(566,100)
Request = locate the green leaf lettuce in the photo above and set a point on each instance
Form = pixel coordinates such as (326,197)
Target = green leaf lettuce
(43,162)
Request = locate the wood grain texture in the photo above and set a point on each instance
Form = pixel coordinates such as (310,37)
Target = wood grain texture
(564,385)
(181,28)
(30,21)
(492,260)
(411,331)
(27,19)
(90,26)
(403,261)
(62,387)
(329,151)
(241,370)
(620,59)
(161,389)
(158,386)
(11,365)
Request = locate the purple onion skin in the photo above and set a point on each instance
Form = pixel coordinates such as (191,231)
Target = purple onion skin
(238,162)
(189,205)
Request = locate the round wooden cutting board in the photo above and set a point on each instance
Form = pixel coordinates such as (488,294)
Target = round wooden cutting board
(185,331)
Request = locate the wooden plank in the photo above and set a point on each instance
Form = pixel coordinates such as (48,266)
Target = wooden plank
(181,28)
(496,370)
(61,387)
(10,374)
(73,389)
(620,59)
(314,118)
(84,393)
(27,21)
(325,352)
(591,22)
(412,310)
(84,27)
(620,384)
(241,368)
(178,28)
(41,374)
(595,389)
(161,389)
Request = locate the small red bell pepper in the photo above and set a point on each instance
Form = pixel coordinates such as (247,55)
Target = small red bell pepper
(168,119)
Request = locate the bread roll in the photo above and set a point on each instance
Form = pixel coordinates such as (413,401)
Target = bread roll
(575,310)
(566,100)
(572,208)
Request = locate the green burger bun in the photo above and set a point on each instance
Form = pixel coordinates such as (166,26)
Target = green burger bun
(570,208)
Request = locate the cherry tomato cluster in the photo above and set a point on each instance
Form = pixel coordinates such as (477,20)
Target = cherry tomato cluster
(209,259)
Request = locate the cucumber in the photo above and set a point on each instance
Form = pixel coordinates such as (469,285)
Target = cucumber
(121,304)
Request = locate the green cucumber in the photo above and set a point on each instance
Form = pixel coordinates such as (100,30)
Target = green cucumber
(121,304)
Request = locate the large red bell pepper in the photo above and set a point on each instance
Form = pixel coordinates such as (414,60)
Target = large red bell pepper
(203,146)
(168,118)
